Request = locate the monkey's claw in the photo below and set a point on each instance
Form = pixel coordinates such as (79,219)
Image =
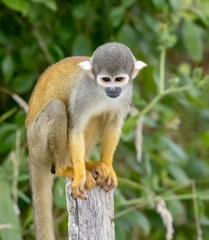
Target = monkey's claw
(78,189)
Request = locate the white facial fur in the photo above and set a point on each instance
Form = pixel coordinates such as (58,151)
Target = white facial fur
(116,81)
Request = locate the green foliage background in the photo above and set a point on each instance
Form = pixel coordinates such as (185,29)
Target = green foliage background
(174,167)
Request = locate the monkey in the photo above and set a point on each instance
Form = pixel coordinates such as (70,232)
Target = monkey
(76,102)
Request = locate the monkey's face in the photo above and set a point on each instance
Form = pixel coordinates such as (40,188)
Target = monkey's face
(113,85)
(113,66)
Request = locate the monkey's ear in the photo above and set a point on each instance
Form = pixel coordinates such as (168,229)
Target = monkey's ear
(86,65)
(138,66)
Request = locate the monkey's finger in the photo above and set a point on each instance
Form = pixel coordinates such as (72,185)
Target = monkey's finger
(101,179)
(108,185)
(79,192)
(82,193)
(90,181)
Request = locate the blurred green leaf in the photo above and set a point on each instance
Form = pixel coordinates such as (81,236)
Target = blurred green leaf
(59,193)
(175,4)
(18,5)
(51,4)
(197,168)
(81,46)
(178,173)
(139,219)
(159,3)
(127,35)
(173,152)
(204,221)
(116,16)
(120,232)
(118,197)
(177,210)
(128,3)
(192,40)
(205,137)
(29,218)
(8,215)
(81,11)
(20,117)
(7,137)
(22,83)
(8,67)
(58,50)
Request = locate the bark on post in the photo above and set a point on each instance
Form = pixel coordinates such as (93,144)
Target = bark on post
(92,219)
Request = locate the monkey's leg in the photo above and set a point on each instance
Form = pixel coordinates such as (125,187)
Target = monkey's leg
(47,143)
(53,119)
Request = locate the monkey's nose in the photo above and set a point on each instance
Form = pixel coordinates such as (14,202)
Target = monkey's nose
(113,92)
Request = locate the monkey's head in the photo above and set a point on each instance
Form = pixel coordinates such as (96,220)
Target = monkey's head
(113,66)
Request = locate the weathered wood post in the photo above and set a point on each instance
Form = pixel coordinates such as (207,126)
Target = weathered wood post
(92,219)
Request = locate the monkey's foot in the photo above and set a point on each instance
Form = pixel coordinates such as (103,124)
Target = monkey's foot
(78,188)
(105,176)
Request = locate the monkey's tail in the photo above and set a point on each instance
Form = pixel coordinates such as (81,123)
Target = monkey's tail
(42,182)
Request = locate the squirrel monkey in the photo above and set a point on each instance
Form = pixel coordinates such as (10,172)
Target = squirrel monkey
(76,101)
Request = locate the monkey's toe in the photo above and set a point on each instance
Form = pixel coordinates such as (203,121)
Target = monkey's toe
(90,181)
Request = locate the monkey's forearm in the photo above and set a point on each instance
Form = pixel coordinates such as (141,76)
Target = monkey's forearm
(77,150)
(110,139)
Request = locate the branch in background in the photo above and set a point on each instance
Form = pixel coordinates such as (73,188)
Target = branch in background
(22,103)
(15,157)
(162,91)
(162,71)
(43,46)
(166,218)
(5,226)
(7,114)
(196,212)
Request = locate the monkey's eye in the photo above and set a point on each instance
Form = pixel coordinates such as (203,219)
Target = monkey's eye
(106,79)
(119,79)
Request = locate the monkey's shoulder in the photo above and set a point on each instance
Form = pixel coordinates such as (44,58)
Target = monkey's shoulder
(57,82)
(67,66)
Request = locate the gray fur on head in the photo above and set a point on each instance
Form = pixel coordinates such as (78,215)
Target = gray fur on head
(112,58)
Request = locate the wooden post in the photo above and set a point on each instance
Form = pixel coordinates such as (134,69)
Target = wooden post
(92,219)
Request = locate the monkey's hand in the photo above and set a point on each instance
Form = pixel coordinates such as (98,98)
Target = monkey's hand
(78,186)
(105,176)
(90,181)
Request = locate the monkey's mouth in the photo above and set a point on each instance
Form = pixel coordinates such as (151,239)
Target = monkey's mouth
(113,92)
